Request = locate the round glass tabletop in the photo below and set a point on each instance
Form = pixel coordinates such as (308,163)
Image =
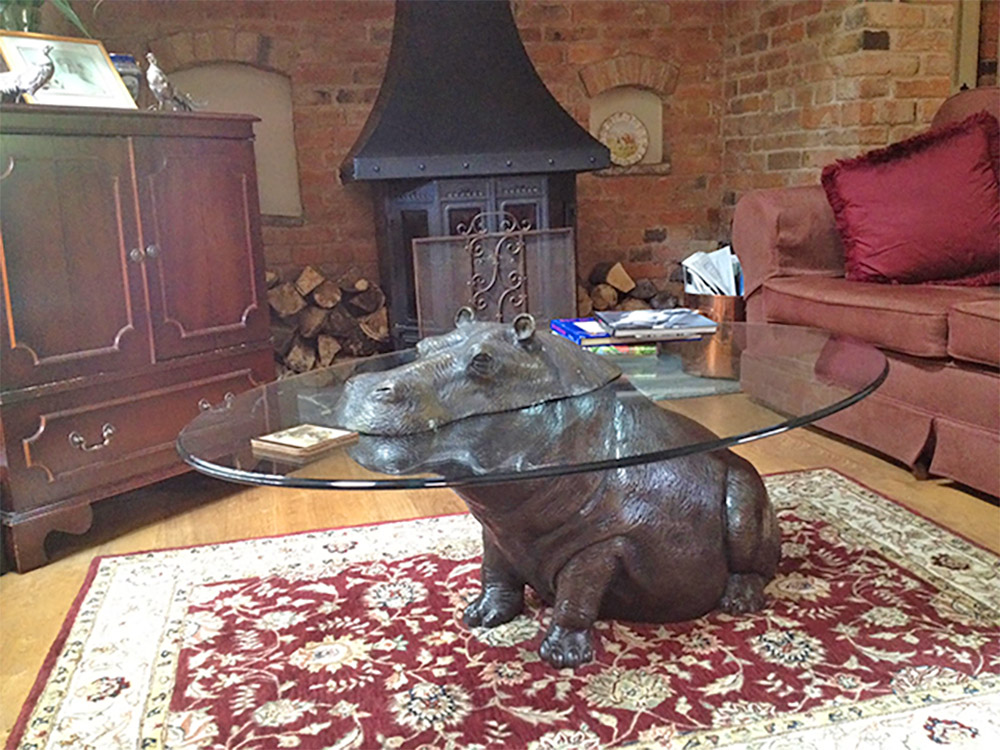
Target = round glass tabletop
(759,379)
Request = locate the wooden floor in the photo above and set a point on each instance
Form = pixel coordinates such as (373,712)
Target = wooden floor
(192,509)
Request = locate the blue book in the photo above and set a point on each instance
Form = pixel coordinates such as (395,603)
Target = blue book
(583,331)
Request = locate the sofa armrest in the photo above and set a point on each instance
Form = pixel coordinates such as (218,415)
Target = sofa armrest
(959,106)
(786,232)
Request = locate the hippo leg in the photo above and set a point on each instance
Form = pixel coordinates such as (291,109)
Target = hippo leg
(752,540)
(580,587)
(744,593)
(502,597)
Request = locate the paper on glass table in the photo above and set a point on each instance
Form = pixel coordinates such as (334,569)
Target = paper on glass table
(302,440)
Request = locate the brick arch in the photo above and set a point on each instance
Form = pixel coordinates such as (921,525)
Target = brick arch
(189,48)
(629,70)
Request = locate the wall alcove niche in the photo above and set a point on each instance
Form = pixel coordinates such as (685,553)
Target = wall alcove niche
(626,111)
(239,88)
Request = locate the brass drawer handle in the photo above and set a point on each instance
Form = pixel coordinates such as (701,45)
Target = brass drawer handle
(79,441)
(227,403)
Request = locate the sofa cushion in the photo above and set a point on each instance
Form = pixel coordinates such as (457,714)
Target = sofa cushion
(908,319)
(974,332)
(924,209)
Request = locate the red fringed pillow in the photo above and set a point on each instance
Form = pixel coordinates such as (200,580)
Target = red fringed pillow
(926,209)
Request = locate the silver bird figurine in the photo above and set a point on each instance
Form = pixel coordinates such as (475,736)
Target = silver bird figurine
(15,84)
(167,96)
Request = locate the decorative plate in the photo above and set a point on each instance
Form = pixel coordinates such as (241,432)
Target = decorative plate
(625,136)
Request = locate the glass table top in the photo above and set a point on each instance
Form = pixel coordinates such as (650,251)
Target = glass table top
(792,376)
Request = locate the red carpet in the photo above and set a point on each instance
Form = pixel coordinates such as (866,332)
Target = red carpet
(882,629)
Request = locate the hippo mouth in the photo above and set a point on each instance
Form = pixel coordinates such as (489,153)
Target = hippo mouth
(371,404)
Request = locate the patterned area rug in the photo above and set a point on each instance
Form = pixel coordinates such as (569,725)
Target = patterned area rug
(881,631)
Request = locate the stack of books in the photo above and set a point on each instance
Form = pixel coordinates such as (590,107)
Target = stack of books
(636,327)
(301,443)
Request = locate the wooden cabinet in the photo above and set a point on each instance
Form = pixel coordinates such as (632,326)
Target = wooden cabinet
(132,278)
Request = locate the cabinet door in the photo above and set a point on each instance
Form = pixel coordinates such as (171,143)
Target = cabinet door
(73,301)
(200,225)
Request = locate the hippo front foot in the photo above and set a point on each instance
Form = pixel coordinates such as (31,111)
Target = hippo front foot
(744,593)
(494,606)
(564,647)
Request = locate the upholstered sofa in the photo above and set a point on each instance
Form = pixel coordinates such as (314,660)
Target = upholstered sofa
(938,411)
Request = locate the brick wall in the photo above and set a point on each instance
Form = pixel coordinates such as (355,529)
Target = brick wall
(811,81)
(334,54)
(647,221)
(761,93)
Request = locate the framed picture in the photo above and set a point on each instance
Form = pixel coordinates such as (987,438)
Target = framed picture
(84,75)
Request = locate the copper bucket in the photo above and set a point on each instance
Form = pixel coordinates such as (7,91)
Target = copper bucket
(716,355)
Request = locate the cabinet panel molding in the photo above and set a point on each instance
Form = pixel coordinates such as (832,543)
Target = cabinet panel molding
(200,219)
(67,223)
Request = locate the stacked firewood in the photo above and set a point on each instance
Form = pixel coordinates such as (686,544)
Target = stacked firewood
(315,319)
(610,287)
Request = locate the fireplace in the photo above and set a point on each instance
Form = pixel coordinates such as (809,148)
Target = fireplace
(464,140)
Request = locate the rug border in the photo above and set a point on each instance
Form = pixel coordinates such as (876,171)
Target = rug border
(17,730)
(894,501)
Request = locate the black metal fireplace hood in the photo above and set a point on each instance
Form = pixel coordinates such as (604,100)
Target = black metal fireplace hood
(460,97)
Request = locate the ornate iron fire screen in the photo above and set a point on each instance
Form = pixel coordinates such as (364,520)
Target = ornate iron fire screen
(498,274)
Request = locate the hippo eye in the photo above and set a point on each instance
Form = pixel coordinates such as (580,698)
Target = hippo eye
(482,364)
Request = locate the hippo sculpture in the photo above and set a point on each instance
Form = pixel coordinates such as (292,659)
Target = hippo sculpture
(663,541)
(479,368)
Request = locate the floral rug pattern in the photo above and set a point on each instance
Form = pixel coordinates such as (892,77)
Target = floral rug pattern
(881,630)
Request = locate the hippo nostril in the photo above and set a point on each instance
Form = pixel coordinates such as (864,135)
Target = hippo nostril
(385,392)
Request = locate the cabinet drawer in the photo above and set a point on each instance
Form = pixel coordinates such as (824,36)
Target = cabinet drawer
(57,449)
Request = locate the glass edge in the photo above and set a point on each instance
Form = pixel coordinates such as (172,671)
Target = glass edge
(251,478)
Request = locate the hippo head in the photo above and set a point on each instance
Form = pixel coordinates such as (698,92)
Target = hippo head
(479,368)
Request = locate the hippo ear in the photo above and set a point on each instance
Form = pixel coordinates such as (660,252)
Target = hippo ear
(464,316)
(524,327)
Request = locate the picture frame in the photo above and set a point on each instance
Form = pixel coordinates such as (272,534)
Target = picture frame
(84,74)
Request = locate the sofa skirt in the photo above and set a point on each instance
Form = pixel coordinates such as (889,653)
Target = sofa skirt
(916,437)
